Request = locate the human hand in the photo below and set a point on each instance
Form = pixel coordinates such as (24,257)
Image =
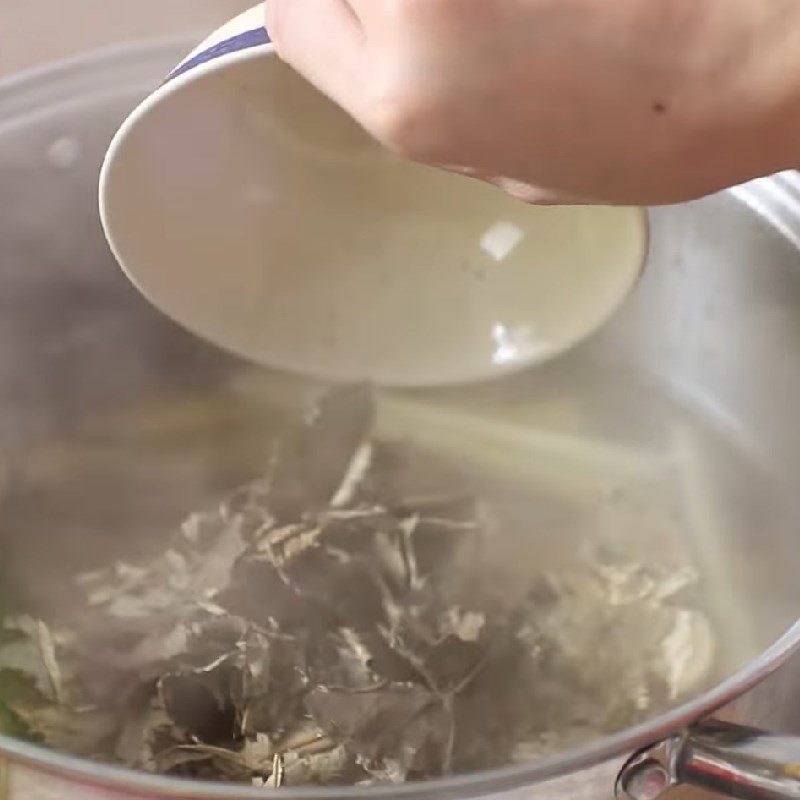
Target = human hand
(622,101)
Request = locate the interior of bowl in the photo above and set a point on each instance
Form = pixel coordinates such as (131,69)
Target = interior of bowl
(325,226)
(667,438)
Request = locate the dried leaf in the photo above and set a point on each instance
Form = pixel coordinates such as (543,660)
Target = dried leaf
(311,463)
(397,722)
(330,767)
(27,647)
(199,701)
(332,623)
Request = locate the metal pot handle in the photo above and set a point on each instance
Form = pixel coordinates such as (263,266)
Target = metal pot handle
(737,761)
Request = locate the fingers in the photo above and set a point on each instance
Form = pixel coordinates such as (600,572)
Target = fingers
(527,193)
(326,41)
(323,41)
(537,195)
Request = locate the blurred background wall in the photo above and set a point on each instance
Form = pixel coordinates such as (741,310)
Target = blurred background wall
(33,32)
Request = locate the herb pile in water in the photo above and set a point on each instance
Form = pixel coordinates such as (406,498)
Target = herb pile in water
(332,623)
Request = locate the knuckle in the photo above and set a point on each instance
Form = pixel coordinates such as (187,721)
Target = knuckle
(408,124)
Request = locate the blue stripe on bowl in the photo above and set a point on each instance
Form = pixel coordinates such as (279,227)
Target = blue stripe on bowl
(242,41)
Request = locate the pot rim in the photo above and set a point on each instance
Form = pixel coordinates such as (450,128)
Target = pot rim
(34,93)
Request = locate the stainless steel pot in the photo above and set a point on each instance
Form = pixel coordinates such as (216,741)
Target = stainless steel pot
(716,321)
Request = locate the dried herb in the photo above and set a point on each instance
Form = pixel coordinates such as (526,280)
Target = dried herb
(328,624)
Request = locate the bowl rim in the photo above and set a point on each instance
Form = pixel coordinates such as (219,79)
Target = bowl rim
(29,91)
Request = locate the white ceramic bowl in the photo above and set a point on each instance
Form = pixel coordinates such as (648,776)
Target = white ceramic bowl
(254,212)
